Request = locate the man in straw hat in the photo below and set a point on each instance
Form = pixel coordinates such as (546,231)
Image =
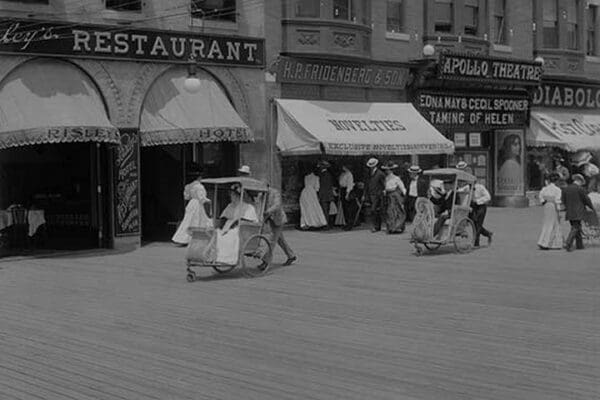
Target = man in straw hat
(375,190)
(575,201)
(417,187)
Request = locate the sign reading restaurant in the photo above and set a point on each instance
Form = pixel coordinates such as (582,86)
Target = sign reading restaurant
(566,95)
(499,70)
(470,111)
(19,36)
(318,72)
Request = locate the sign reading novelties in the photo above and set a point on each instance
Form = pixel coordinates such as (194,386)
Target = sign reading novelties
(566,95)
(499,70)
(472,111)
(114,42)
(319,72)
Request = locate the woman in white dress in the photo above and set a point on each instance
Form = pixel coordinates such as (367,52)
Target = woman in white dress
(551,235)
(311,213)
(195,213)
(395,217)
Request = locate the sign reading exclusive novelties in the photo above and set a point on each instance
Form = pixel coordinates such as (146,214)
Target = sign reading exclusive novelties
(472,112)
(115,42)
(465,67)
(296,70)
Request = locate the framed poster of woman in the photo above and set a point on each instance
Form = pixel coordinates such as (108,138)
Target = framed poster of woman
(509,163)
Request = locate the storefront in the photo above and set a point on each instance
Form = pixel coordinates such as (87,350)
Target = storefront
(565,122)
(99,131)
(344,113)
(482,104)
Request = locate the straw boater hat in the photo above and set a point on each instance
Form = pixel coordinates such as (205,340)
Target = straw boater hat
(580,158)
(462,165)
(372,162)
(389,165)
(244,170)
(578,177)
(415,169)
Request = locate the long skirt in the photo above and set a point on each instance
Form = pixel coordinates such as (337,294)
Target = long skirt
(311,214)
(551,235)
(395,216)
(195,216)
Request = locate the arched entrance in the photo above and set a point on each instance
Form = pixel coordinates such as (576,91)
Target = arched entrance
(54,162)
(181,132)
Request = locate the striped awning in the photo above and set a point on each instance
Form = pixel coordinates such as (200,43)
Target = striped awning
(50,101)
(171,115)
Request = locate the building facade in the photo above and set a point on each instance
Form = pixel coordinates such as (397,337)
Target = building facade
(99,130)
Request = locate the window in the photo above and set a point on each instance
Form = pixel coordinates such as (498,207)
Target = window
(124,5)
(395,16)
(344,9)
(308,8)
(550,24)
(471,17)
(572,27)
(592,14)
(30,1)
(499,33)
(443,15)
(223,10)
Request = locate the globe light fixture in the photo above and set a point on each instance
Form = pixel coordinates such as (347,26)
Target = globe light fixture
(539,60)
(428,50)
(192,84)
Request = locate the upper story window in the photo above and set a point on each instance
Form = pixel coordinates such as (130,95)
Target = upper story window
(395,16)
(308,8)
(499,22)
(471,17)
(30,1)
(550,24)
(444,19)
(572,31)
(124,5)
(222,10)
(344,9)
(592,20)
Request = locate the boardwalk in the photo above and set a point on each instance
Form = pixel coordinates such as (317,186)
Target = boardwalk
(359,318)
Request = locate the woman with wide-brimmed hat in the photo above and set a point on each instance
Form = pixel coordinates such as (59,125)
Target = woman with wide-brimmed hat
(395,216)
(311,213)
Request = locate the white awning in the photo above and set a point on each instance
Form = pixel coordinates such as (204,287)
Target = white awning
(171,115)
(50,101)
(571,131)
(351,128)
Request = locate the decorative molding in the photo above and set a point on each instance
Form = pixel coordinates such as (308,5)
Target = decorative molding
(344,40)
(8,63)
(108,88)
(148,73)
(234,89)
(308,38)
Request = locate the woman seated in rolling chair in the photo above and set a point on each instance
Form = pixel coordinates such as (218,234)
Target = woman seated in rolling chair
(227,238)
(441,196)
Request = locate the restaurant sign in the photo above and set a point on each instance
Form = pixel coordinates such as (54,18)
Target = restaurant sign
(319,72)
(23,36)
(564,95)
(498,70)
(473,112)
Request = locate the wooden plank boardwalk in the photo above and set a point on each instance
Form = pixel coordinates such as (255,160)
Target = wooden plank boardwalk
(360,317)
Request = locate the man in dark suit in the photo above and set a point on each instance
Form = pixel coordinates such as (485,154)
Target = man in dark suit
(325,193)
(417,187)
(375,189)
(575,200)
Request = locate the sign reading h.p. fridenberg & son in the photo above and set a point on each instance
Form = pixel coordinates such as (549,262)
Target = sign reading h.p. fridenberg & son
(100,41)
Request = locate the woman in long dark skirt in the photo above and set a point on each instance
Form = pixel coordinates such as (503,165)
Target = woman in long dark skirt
(395,215)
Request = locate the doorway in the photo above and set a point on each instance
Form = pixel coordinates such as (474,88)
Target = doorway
(165,170)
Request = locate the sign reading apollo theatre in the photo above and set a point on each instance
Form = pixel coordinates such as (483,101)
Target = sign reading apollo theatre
(493,70)
(97,41)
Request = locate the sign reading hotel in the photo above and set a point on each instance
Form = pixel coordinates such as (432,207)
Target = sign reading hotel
(473,112)
(316,72)
(564,95)
(110,42)
(498,70)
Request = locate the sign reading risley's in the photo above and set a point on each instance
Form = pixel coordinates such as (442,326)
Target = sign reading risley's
(110,42)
